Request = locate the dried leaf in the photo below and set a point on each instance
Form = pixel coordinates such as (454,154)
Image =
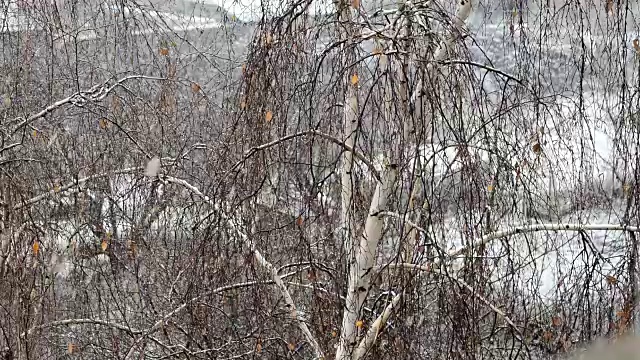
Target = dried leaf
(547,336)
(104,245)
(36,248)
(626,188)
(334,333)
(195,87)
(133,248)
(360,324)
(268,39)
(354,79)
(636,45)
(490,188)
(536,148)
(103,123)
(56,189)
(300,220)
(611,280)
(355,4)
(291,346)
(71,348)
(609,6)
(377,50)
(164,51)
(259,346)
(311,275)
(556,321)
(268,116)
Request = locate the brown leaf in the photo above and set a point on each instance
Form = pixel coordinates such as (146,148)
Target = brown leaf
(609,6)
(268,116)
(300,220)
(291,346)
(355,4)
(104,245)
(195,87)
(164,51)
(536,148)
(636,45)
(360,324)
(611,280)
(36,248)
(71,348)
(311,275)
(556,321)
(103,123)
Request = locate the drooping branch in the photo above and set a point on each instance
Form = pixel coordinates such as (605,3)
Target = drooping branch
(333,139)
(382,318)
(95,94)
(271,270)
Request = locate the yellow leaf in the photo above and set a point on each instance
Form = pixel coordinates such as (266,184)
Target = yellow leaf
(291,346)
(56,189)
(490,188)
(104,245)
(233,18)
(36,248)
(626,188)
(268,116)
(359,324)
(108,234)
(34,133)
(268,39)
(195,87)
(354,79)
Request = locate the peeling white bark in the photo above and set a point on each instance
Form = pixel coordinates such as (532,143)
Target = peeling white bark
(362,268)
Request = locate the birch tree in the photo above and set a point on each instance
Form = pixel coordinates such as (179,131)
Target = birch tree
(321,181)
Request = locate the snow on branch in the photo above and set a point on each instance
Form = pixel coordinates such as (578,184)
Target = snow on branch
(80,98)
(273,272)
(83,321)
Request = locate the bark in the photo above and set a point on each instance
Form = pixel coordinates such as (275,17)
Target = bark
(361,271)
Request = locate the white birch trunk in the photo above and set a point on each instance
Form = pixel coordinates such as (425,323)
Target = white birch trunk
(361,269)
(350,129)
